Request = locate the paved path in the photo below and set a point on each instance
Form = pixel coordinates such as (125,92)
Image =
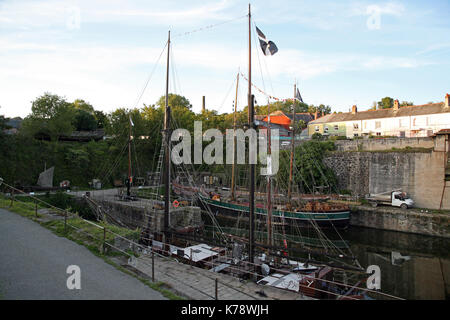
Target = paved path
(199,284)
(33,264)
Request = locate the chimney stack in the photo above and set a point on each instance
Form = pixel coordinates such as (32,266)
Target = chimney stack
(396,105)
(447,101)
(203,105)
(354,109)
(315,115)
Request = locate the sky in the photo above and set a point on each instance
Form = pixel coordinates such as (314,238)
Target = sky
(338,53)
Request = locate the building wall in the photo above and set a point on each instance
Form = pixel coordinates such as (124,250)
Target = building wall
(410,126)
(332,129)
(421,174)
(383,144)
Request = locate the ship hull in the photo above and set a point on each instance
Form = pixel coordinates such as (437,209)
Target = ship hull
(338,219)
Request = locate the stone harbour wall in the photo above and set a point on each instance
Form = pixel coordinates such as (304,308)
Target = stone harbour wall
(135,216)
(411,221)
(383,144)
(420,174)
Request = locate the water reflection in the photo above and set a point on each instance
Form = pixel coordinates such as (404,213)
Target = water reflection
(412,266)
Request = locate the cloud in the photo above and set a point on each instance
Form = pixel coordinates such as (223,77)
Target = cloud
(210,11)
(57,14)
(112,75)
(364,9)
(435,48)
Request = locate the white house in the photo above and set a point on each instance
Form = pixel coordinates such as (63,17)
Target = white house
(409,121)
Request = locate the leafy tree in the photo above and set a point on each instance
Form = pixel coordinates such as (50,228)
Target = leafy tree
(102,119)
(84,121)
(317,136)
(83,105)
(51,116)
(386,103)
(3,125)
(175,100)
(406,103)
(310,170)
(321,109)
(285,106)
(119,123)
(78,157)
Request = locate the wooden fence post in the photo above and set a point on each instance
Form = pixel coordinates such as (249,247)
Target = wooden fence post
(12,198)
(104,240)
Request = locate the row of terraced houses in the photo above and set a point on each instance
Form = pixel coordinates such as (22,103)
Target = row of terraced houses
(410,121)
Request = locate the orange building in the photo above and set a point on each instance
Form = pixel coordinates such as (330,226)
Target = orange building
(284,119)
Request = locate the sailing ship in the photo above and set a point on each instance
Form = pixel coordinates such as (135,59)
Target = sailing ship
(307,278)
(301,210)
(323,214)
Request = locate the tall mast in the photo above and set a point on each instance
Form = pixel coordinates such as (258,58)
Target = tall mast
(167,147)
(269,180)
(233,168)
(291,167)
(251,118)
(129,162)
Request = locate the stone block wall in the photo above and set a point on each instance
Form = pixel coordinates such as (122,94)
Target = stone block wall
(383,144)
(351,169)
(421,175)
(365,166)
(388,218)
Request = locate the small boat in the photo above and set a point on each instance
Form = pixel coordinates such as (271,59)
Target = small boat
(300,277)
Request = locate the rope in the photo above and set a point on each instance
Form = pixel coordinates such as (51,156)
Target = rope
(207,27)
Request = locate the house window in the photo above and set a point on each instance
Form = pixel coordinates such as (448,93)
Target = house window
(355,134)
(377,124)
(336,127)
(316,128)
(378,133)
(326,129)
(355,126)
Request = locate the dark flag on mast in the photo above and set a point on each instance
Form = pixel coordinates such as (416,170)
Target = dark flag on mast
(298,96)
(268,47)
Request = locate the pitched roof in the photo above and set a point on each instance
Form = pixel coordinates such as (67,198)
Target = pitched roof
(307,117)
(272,126)
(431,108)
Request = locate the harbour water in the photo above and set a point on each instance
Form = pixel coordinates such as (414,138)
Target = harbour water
(412,266)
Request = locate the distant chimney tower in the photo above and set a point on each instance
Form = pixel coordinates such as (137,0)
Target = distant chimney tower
(354,109)
(315,115)
(396,105)
(447,101)
(203,105)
